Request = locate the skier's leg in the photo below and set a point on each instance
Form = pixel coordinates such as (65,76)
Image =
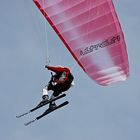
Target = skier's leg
(53,104)
(48,87)
(45,95)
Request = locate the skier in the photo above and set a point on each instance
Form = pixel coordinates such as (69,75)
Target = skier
(60,82)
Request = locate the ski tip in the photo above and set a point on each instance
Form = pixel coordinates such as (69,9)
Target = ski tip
(28,123)
(19,116)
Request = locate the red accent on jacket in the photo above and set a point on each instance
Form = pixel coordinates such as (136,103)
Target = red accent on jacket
(60,70)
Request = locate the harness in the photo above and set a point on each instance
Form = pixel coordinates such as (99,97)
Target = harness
(60,87)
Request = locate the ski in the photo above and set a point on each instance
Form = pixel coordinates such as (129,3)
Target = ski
(49,110)
(41,104)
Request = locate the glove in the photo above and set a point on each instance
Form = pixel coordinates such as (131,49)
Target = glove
(46,66)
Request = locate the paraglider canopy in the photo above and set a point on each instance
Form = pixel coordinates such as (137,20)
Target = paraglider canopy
(91,31)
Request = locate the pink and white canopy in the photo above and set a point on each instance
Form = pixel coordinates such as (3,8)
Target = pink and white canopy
(91,31)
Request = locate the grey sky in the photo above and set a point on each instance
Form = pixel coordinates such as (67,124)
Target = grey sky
(94,112)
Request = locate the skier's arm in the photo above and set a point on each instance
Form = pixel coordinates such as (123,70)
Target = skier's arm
(58,69)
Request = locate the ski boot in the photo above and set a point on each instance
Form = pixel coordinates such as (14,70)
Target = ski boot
(45,98)
(52,105)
